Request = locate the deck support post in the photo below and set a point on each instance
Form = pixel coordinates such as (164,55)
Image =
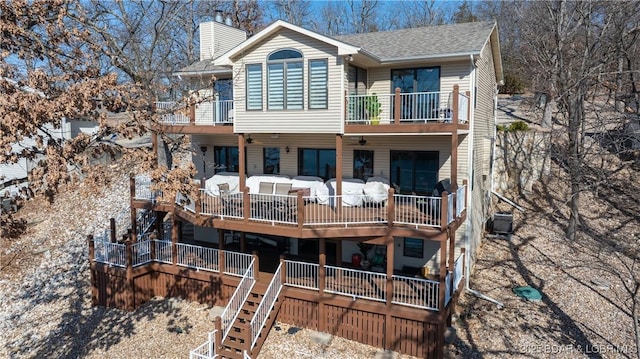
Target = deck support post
(283,270)
(256,265)
(454,161)
(221,256)
(198,205)
(217,340)
(322,261)
(339,174)
(444,203)
(452,268)
(112,226)
(174,239)
(134,225)
(396,106)
(454,103)
(94,280)
(246,204)
(391,208)
(129,296)
(441,295)
(389,331)
(300,210)
(241,163)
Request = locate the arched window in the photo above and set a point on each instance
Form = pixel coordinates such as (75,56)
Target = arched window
(285,80)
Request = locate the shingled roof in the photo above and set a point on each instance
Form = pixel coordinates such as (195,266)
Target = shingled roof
(431,41)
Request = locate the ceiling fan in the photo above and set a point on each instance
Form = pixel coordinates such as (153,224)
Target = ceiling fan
(250,141)
(359,142)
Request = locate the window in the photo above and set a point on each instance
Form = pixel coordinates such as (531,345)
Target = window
(318,72)
(357,80)
(271,156)
(317,162)
(415,171)
(254,87)
(227,159)
(362,164)
(413,247)
(285,80)
(425,83)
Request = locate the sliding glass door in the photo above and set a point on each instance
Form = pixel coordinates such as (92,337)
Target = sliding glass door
(424,86)
(415,171)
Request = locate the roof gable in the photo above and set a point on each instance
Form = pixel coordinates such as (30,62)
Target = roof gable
(227,58)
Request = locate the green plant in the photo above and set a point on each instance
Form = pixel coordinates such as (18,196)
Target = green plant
(513,127)
(372,105)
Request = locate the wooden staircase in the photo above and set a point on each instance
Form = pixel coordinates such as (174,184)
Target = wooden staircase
(239,338)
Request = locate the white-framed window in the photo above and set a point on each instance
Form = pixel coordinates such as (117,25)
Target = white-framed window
(285,86)
(318,78)
(254,86)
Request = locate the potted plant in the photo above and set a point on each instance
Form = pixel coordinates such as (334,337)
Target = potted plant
(373,108)
(364,249)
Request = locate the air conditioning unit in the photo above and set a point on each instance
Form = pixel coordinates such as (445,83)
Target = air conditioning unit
(503,222)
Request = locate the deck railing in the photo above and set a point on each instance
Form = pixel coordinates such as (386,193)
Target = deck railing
(460,200)
(273,208)
(206,350)
(353,283)
(417,210)
(458,271)
(301,274)
(450,202)
(141,252)
(415,107)
(354,210)
(415,292)
(237,300)
(267,303)
(463,108)
(236,263)
(214,113)
(185,202)
(172,113)
(197,257)
(113,254)
(164,251)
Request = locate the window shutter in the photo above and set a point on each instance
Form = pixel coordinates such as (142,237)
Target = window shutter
(294,86)
(318,73)
(275,98)
(254,87)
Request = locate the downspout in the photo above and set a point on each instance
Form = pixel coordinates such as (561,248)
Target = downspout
(470,172)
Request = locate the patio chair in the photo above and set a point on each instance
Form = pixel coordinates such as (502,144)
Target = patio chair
(262,205)
(230,204)
(283,202)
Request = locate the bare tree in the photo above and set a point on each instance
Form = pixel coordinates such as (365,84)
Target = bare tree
(294,11)
(420,13)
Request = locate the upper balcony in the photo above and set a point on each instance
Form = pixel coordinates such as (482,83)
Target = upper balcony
(415,112)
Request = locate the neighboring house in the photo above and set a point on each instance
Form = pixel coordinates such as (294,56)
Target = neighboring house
(311,146)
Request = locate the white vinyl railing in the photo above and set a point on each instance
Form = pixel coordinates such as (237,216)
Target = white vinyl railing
(164,251)
(417,210)
(414,107)
(237,300)
(109,253)
(463,108)
(207,350)
(447,290)
(352,211)
(185,202)
(172,113)
(356,283)
(301,274)
(450,202)
(415,292)
(236,263)
(273,208)
(143,188)
(460,200)
(423,106)
(141,253)
(266,305)
(214,113)
(197,257)
(458,271)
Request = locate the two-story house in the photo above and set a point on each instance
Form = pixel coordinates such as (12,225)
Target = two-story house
(363,159)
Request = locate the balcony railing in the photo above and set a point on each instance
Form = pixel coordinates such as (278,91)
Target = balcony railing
(414,107)
(203,113)
(333,210)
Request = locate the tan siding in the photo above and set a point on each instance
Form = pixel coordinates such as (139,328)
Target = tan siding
(217,38)
(303,121)
(483,127)
(381,145)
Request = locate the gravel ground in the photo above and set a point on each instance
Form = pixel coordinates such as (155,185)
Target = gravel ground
(585,310)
